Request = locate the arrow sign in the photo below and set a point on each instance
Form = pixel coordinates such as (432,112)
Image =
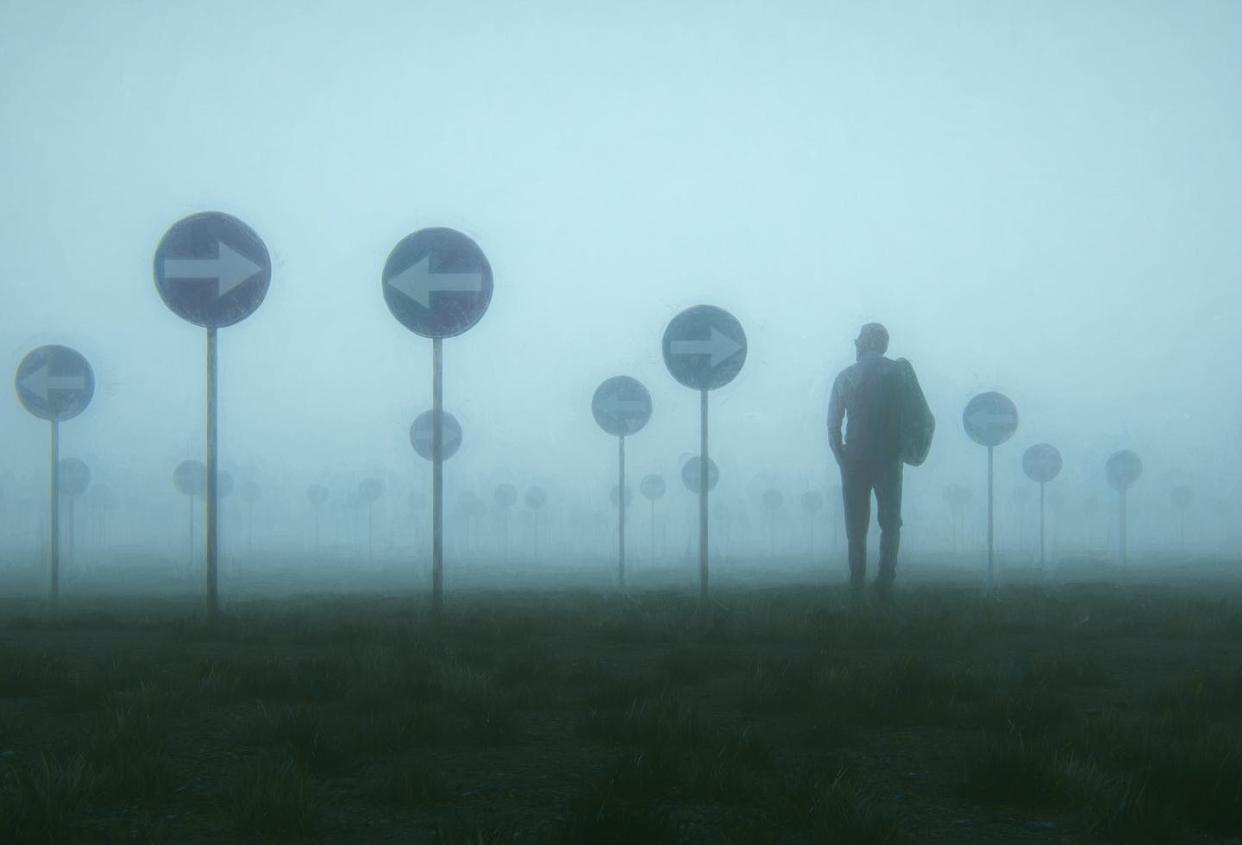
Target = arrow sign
(704,347)
(422,434)
(212,270)
(229,268)
(719,346)
(990,419)
(418,282)
(41,382)
(621,406)
(55,383)
(617,407)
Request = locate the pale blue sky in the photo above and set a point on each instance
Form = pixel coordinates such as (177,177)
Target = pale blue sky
(1039,197)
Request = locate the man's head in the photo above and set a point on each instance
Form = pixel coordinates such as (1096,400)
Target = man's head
(872,340)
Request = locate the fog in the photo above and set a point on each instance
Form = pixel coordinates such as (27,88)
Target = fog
(1039,199)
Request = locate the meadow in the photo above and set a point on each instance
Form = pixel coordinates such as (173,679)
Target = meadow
(1074,713)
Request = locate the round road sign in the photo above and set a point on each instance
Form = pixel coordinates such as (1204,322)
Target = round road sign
(704,347)
(506,495)
(421,435)
(1182,497)
(990,419)
(652,487)
(1123,469)
(437,282)
(773,500)
(536,498)
(190,478)
(212,269)
(75,477)
(1041,462)
(55,383)
(621,406)
(957,495)
(812,501)
(690,474)
(370,490)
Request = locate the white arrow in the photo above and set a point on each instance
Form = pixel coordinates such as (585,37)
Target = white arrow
(40,382)
(616,407)
(719,346)
(424,436)
(991,419)
(229,268)
(418,282)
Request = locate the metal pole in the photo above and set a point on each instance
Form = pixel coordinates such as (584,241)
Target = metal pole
(990,551)
(703,473)
(71,536)
(190,562)
(1123,528)
(370,532)
(213,479)
(653,533)
(1041,525)
(54,562)
(621,511)
(437,477)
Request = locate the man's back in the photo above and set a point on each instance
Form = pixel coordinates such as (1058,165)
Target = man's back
(868,394)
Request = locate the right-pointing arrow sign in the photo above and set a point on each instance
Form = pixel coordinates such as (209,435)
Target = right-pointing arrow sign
(719,346)
(229,268)
(418,282)
(41,382)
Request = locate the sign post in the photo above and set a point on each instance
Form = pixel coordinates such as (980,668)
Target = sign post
(506,496)
(1182,496)
(212,270)
(438,284)
(536,498)
(190,478)
(55,383)
(1041,463)
(704,349)
(812,503)
(990,419)
(250,493)
(369,492)
(317,494)
(621,406)
(652,488)
(1123,469)
(75,477)
(773,501)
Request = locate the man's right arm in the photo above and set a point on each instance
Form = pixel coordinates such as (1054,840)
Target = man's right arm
(836,416)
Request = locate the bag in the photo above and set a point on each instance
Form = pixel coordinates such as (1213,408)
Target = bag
(915,424)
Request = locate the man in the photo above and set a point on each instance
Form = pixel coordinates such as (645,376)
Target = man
(867,396)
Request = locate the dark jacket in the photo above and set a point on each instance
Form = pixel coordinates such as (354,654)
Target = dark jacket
(867,397)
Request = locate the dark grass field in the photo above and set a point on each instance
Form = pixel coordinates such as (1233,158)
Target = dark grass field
(1083,713)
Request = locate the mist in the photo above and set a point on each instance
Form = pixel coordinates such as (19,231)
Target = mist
(1037,199)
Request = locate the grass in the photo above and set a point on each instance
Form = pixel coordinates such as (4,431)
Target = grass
(775,715)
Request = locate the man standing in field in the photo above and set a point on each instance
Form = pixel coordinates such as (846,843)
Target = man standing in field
(871,398)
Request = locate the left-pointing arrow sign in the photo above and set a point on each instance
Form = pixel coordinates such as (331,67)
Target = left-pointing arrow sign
(229,268)
(418,282)
(41,383)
